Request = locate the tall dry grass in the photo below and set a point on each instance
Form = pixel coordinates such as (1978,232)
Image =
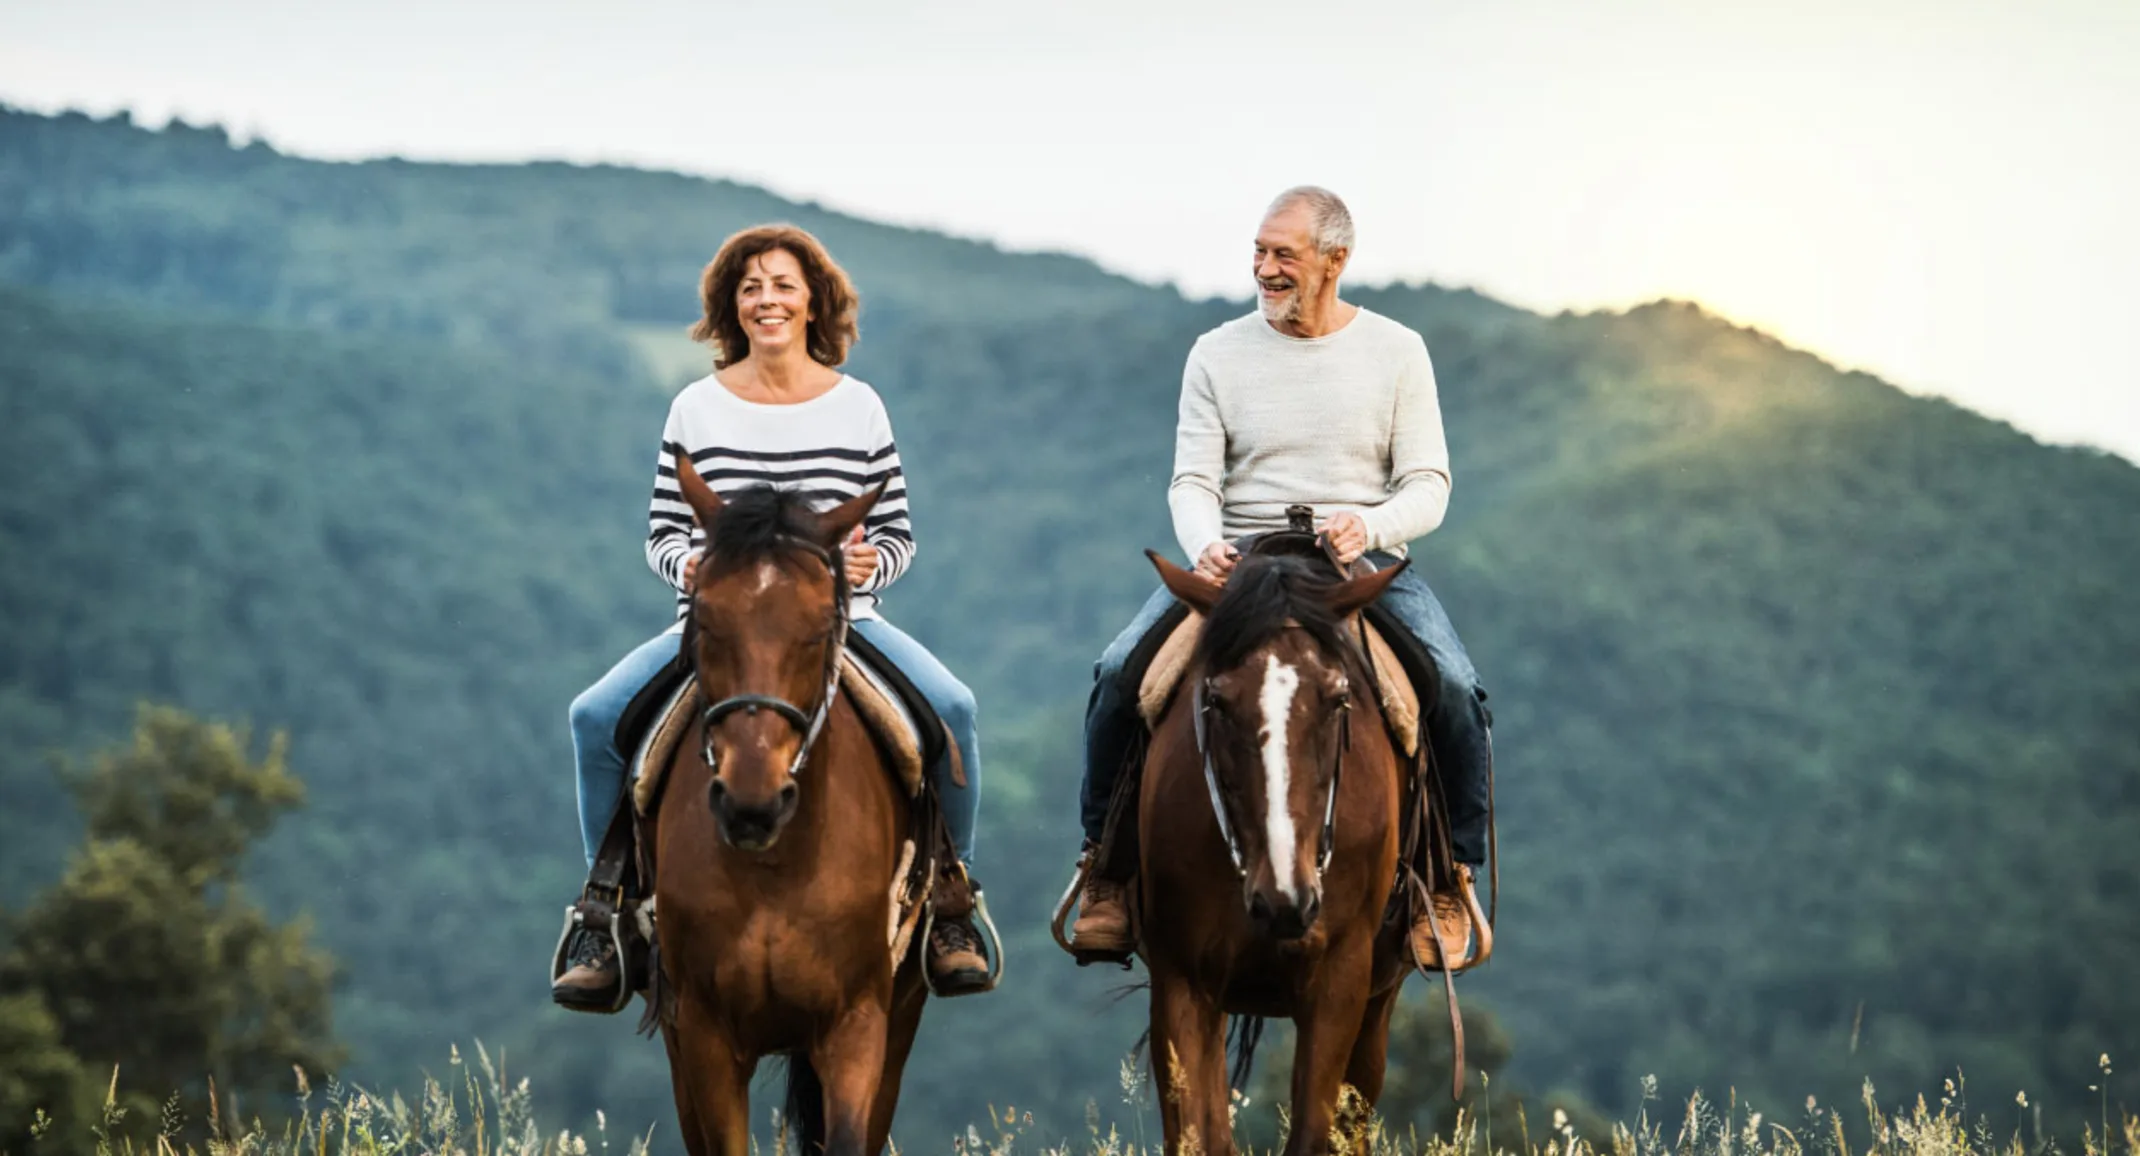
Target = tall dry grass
(477,1111)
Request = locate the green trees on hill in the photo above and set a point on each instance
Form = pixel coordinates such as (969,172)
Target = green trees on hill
(148,957)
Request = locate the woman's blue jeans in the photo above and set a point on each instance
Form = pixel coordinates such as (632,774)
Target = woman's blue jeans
(601,768)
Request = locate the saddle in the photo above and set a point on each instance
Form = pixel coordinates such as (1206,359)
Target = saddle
(906,728)
(1394,686)
(1407,685)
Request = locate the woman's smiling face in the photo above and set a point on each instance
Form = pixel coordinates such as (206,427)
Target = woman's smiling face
(773,301)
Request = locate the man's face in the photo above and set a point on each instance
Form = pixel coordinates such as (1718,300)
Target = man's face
(1288,269)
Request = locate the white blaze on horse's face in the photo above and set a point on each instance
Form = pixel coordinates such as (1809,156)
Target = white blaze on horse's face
(767,577)
(1280,684)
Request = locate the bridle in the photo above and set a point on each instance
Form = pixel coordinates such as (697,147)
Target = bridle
(810,724)
(1202,707)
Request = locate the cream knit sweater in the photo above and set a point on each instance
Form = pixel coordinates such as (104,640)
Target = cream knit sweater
(1346,421)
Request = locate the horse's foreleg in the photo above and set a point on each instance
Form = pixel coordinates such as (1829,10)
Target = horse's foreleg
(1370,1052)
(685,1089)
(1189,1067)
(850,1064)
(905,1022)
(712,1084)
(1328,1025)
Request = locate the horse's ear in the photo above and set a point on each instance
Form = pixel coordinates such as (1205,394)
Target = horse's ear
(1349,596)
(835,524)
(697,494)
(1199,592)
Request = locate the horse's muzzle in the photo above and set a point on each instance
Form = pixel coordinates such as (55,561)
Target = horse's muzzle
(1282,919)
(750,827)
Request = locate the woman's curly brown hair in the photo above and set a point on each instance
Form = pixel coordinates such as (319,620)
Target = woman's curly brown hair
(833,304)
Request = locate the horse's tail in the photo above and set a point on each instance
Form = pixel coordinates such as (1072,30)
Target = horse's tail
(802,1116)
(1243,1034)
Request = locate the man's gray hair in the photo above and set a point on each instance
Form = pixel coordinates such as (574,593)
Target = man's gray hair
(1330,221)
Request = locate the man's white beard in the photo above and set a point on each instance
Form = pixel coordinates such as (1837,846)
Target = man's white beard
(1286,308)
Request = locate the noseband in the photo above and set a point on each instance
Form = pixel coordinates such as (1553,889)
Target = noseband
(1203,706)
(809,724)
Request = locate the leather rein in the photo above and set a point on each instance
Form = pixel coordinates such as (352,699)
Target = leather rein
(808,724)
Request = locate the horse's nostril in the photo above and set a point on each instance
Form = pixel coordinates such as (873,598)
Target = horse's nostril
(787,796)
(1259,908)
(1309,910)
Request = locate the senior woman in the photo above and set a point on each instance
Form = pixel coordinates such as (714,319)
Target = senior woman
(780,315)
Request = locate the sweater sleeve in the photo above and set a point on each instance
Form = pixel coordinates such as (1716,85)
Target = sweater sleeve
(1195,496)
(668,517)
(888,526)
(1419,460)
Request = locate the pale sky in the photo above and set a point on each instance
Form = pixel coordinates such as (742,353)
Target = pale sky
(1942,192)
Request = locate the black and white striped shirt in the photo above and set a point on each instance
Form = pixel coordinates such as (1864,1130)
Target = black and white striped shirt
(831,447)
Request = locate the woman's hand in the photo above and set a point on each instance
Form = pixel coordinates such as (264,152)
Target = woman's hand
(861,559)
(691,571)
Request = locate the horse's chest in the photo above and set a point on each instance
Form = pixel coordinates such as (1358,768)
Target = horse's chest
(772,963)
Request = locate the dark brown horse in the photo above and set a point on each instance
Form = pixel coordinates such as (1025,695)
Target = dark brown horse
(1269,848)
(776,841)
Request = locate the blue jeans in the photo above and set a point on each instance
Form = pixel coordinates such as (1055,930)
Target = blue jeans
(600,764)
(594,715)
(1457,729)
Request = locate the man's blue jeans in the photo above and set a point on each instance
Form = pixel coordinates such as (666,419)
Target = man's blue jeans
(600,764)
(1458,727)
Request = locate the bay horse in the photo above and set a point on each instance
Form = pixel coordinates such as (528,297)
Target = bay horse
(775,843)
(1269,848)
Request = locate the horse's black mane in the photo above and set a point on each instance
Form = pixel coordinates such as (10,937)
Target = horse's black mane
(759,522)
(1264,593)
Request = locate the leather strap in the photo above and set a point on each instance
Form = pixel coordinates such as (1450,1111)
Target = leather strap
(614,861)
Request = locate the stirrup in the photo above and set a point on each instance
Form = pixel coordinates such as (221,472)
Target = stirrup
(1482,929)
(991,940)
(1086,956)
(1480,941)
(602,910)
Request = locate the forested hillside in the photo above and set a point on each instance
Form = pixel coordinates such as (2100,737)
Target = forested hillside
(1814,699)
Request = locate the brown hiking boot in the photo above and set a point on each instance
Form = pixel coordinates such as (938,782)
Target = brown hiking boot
(591,980)
(955,960)
(1453,926)
(1102,918)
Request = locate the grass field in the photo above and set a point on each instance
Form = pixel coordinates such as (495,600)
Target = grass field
(478,1109)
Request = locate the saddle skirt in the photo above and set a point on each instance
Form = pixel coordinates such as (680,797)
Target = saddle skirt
(890,720)
(1393,688)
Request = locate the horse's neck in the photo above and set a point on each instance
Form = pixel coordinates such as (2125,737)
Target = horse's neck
(843,768)
(848,793)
